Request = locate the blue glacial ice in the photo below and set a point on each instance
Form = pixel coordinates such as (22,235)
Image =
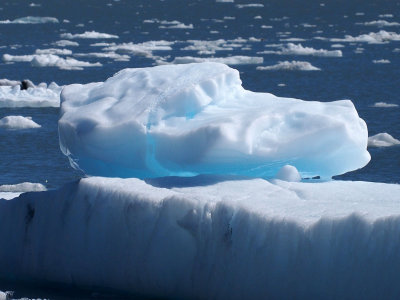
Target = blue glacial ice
(185,120)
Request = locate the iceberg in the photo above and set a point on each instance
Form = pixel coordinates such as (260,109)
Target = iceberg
(293,65)
(185,120)
(31,20)
(235,239)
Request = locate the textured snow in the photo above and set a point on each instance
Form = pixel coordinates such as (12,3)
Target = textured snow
(38,96)
(242,239)
(89,35)
(18,122)
(31,20)
(382,140)
(371,38)
(196,118)
(290,66)
(384,104)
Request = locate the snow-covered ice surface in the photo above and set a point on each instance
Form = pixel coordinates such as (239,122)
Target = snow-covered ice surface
(196,119)
(238,239)
(37,96)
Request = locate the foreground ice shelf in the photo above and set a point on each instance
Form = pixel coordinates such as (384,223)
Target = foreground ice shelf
(184,120)
(237,239)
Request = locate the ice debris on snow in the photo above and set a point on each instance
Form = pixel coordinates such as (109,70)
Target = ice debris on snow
(195,119)
(382,140)
(18,122)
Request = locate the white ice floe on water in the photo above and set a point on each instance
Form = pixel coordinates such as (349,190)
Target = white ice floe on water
(381,61)
(54,51)
(381,23)
(140,49)
(290,66)
(371,38)
(110,55)
(208,238)
(382,140)
(384,104)
(18,122)
(22,187)
(228,60)
(196,118)
(293,49)
(259,5)
(89,35)
(37,96)
(51,60)
(65,43)
(31,20)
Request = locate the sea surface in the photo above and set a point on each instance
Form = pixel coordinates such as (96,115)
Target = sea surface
(151,32)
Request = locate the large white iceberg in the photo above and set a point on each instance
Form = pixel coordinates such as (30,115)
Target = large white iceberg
(196,119)
(244,239)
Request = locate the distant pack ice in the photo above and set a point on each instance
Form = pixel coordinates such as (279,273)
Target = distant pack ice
(184,120)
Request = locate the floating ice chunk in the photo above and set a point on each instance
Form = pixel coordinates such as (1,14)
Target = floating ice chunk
(22,187)
(288,173)
(31,20)
(381,23)
(89,35)
(386,16)
(247,239)
(337,46)
(371,38)
(293,49)
(143,49)
(50,60)
(291,66)
(110,55)
(381,61)
(229,60)
(196,118)
(65,43)
(18,122)
(225,1)
(293,40)
(382,140)
(384,104)
(249,5)
(54,51)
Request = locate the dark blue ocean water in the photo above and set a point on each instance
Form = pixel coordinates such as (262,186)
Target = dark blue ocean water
(33,155)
